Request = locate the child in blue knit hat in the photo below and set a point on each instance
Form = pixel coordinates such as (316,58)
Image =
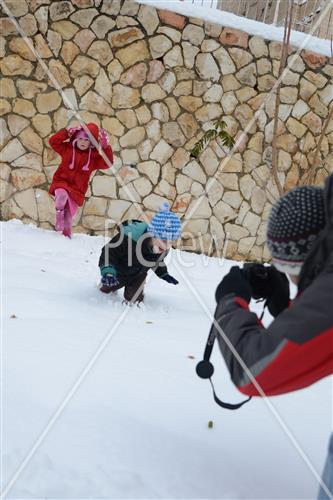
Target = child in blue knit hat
(137,248)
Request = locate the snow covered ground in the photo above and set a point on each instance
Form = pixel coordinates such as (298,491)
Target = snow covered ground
(137,424)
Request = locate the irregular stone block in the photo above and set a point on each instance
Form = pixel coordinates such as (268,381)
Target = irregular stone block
(31,141)
(124,97)
(66,29)
(84,17)
(135,76)
(84,66)
(23,178)
(60,10)
(159,45)
(133,137)
(193,34)
(48,101)
(14,65)
(173,135)
(231,36)
(162,152)
(102,25)
(173,58)
(101,51)
(152,92)
(125,36)
(207,67)
(171,18)
(148,18)
(151,169)
(136,52)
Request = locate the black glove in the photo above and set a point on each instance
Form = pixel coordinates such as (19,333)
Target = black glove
(270,284)
(280,296)
(169,279)
(234,282)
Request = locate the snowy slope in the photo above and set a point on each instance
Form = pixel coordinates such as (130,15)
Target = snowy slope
(136,427)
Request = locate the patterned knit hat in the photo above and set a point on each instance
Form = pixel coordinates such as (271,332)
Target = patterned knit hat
(293,226)
(165,225)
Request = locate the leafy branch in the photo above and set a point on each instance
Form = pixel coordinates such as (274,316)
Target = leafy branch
(218,131)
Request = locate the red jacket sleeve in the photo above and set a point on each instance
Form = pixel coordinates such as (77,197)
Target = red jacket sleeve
(57,141)
(100,164)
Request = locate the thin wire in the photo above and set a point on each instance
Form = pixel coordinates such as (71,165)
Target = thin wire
(276,13)
(1,357)
(330,22)
(296,9)
(257,10)
(307,12)
(313,17)
(266,10)
(247,9)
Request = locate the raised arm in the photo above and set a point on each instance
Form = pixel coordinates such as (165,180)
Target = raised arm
(100,163)
(161,270)
(57,141)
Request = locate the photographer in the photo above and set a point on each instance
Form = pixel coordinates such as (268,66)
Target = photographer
(296,350)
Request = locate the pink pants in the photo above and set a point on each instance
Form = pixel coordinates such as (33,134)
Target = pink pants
(66,209)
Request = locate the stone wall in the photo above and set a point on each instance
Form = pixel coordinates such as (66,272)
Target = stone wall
(155,81)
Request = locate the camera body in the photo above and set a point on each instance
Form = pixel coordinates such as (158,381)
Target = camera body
(258,275)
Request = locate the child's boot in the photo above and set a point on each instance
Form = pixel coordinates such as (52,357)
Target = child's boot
(67,232)
(68,219)
(60,220)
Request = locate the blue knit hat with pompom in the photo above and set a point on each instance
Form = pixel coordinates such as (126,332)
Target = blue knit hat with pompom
(165,225)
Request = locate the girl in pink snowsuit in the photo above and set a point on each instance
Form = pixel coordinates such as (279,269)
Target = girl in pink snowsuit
(79,158)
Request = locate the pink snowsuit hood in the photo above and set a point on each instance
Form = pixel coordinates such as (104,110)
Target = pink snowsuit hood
(94,130)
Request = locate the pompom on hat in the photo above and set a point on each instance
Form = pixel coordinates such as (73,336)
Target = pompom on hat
(165,225)
(293,226)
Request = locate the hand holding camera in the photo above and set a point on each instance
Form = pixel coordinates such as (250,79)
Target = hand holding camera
(234,282)
(269,284)
(259,282)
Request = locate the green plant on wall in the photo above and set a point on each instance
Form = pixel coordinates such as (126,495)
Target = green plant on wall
(218,131)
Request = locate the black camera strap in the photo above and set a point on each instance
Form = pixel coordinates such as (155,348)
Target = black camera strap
(265,304)
(205,369)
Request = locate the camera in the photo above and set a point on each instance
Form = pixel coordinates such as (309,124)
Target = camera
(258,275)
